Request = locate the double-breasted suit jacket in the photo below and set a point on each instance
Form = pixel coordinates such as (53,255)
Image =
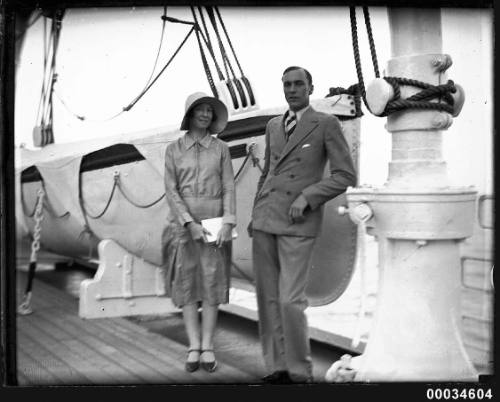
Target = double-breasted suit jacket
(297,166)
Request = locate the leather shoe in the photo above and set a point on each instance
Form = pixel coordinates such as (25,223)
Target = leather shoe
(278,377)
(208,366)
(194,365)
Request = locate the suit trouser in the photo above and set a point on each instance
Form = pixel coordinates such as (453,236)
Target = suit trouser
(281,265)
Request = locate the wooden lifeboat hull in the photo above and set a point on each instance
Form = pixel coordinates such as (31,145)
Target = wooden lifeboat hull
(113,189)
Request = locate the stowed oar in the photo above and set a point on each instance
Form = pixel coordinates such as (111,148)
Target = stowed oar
(25,308)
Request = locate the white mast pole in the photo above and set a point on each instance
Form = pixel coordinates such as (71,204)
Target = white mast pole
(419,221)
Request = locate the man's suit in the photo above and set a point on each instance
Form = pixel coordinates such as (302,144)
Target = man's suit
(282,248)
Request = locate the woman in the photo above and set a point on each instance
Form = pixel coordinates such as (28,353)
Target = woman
(199,184)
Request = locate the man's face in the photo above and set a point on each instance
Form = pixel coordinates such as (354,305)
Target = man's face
(296,89)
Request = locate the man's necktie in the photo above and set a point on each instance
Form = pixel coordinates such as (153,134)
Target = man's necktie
(290,123)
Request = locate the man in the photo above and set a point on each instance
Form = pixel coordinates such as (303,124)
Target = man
(286,218)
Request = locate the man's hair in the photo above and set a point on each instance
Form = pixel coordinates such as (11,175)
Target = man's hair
(308,74)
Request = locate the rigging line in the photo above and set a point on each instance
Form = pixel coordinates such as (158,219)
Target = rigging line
(49,78)
(228,39)
(164,19)
(45,58)
(67,107)
(143,92)
(357,61)
(210,11)
(47,73)
(221,45)
(207,41)
(56,30)
(245,80)
(373,51)
(208,73)
(127,108)
(227,63)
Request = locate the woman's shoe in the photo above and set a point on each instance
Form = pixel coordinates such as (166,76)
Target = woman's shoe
(208,366)
(194,365)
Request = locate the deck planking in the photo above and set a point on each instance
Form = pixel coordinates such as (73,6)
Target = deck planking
(56,347)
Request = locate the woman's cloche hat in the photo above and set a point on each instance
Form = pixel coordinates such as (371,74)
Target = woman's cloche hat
(218,107)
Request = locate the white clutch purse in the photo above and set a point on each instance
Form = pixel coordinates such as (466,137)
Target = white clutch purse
(213,225)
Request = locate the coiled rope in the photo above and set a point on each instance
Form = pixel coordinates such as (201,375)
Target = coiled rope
(420,100)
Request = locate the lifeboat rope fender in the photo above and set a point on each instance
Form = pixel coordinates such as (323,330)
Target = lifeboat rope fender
(25,308)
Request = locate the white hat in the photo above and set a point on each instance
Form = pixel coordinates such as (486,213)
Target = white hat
(220,111)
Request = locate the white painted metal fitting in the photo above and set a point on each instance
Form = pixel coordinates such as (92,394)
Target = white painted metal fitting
(442,63)
(361,213)
(342,210)
(378,94)
(442,121)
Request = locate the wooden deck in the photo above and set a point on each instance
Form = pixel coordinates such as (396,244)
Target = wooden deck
(57,347)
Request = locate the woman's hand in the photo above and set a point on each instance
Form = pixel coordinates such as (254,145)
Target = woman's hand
(224,235)
(198,232)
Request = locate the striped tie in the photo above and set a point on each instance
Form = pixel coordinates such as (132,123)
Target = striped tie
(290,123)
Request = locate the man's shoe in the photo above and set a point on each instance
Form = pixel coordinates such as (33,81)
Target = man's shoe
(278,377)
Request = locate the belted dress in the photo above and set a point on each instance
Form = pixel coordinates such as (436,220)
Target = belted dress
(199,184)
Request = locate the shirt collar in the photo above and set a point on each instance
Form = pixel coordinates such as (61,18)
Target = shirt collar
(189,142)
(300,112)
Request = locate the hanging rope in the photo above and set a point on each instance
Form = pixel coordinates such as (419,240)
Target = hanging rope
(208,73)
(357,59)
(108,203)
(45,114)
(208,42)
(25,308)
(136,204)
(420,100)
(150,81)
(243,77)
(227,64)
(117,184)
(46,205)
(164,22)
(371,41)
(127,108)
(250,155)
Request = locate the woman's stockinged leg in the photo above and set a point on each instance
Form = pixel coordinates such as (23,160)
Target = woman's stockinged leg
(192,325)
(209,321)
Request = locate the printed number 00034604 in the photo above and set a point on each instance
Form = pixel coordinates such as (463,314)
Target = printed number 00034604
(476,393)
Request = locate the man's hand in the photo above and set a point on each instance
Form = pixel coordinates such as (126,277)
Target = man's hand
(198,232)
(296,212)
(224,235)
(250,229)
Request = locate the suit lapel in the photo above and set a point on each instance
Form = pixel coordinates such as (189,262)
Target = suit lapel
(305,126)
